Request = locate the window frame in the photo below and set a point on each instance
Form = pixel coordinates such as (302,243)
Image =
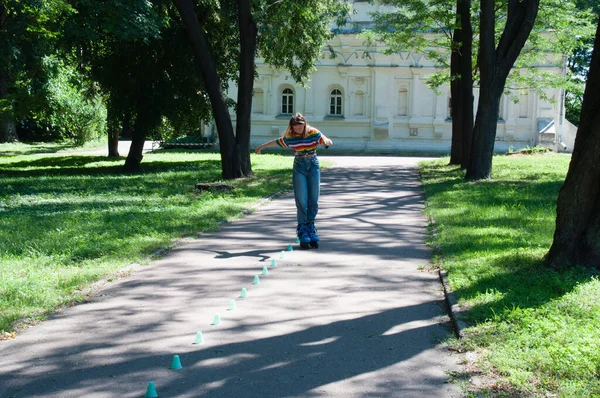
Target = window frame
(336,102)
(287,101)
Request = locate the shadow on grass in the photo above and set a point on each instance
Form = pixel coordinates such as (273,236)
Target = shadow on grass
(523,283)
(85,205)
(76,165)
(69,174)
(35,149)
(506,220)
(518,212)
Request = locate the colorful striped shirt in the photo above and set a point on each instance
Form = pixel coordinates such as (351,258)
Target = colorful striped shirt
(300,144)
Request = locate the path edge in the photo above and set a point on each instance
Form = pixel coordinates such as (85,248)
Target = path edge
(455,312)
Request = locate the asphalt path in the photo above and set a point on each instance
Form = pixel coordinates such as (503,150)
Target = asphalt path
(358,317)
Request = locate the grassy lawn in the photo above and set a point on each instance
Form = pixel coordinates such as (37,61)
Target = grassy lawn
(535,332)
(67,220)
(19,148)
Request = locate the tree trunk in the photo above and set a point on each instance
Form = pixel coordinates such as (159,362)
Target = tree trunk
(466,81)
(484,133)
(461,87)
(248,33)
(230,159)
(8,128)
(112,128)
(127,131)
(495,65)
(113,142)
(456,147)
(136,151)
(577,233)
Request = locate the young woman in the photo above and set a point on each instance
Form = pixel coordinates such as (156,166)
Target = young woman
(303,140)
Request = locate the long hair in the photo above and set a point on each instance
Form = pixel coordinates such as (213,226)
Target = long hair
(297,118)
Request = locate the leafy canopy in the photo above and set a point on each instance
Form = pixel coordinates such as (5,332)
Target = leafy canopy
(427,26)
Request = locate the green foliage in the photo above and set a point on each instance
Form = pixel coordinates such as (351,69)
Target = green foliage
(292,33)
(534,328)
(578,65)
(116,40)
(77,112)
(67,220)
(417,25)
(573,103)
(29,31)
(592,5)
(117,20)
(560,29)
(427,26)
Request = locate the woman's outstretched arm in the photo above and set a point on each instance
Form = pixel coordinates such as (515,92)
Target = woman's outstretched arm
(265,145)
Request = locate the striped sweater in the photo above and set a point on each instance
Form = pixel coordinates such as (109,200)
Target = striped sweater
(302,145)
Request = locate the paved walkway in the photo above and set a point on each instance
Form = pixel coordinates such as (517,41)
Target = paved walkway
(356,318)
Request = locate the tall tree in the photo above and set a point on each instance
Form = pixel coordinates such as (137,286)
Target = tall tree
(495,63)
(461,86)
(287,35)
(138,54)
(28,33)
(248,38)
(434,28)
(410,26)
(204,56)
(577,233)
(578,66)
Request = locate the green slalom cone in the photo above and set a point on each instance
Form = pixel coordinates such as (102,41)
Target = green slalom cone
(151,390)
(282,255)
(256,280)
(217,320)
(176,362)
(273,262)
(199,338)
(232,305)
(265,271)
(290,248)
(244,293)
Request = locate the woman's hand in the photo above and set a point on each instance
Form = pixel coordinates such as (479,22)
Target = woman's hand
(327,142)
(258,149)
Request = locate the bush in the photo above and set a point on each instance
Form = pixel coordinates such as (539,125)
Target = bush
(68,108)
(78,113)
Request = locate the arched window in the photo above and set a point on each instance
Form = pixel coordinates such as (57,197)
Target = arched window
(287,101)
(403,102)
(335,102)
(524,104)
(258,101)
(359,103)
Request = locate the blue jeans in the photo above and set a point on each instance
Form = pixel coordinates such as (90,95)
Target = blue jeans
(307,184)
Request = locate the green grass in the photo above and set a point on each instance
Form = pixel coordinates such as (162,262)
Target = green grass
(19,148)
(536,330)
(67,220)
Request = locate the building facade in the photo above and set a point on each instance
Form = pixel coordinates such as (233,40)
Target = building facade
(367,101)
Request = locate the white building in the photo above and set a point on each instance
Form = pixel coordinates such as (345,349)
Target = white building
(365,100)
